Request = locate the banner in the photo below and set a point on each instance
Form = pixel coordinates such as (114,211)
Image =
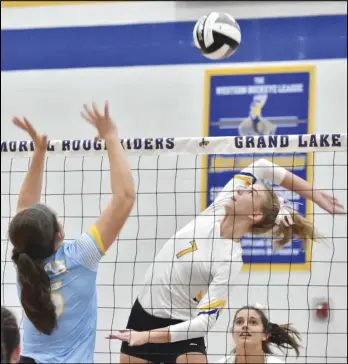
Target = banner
(261,102)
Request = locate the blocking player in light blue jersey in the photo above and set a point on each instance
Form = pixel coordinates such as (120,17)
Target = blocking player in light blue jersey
(57,279)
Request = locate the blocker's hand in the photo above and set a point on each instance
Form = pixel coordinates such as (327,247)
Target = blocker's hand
(40,141)
(101,121)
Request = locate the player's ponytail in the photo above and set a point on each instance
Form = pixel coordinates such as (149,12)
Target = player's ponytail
(283,336)
(35,293)
(301,228)
(34,232)
(276,225)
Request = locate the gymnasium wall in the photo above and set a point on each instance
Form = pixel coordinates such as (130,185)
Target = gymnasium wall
(140,57)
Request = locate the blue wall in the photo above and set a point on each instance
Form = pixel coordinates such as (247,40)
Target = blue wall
(276,39)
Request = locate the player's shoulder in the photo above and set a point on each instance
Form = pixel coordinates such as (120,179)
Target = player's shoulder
(87,240)
(201,227)
(66,253)
(59,263)
(64,250)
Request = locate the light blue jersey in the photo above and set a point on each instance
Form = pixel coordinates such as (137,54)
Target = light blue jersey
(72,271)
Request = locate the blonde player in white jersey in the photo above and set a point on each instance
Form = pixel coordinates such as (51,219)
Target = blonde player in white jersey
(187,285)
(253,334)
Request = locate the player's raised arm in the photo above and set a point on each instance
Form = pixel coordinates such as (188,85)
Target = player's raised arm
(59,322)
(263,169)
(30,192)
(115,214)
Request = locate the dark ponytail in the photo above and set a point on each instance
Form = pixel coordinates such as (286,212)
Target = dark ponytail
(283,336)
(33,232)
(36,293)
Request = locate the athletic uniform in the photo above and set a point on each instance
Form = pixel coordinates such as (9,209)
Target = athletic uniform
(188,284)
(72,271)
(232,359)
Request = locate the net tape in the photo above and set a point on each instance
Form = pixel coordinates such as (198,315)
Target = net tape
(198,146)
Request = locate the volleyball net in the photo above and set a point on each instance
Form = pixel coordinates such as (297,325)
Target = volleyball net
(176,178)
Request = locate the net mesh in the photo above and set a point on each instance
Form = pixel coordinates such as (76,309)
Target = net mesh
(169,195)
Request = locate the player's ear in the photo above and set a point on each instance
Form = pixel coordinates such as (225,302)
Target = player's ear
(265,336)
(255,218)
(60,236)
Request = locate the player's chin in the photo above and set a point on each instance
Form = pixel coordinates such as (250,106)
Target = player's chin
(230,207)
(242,340)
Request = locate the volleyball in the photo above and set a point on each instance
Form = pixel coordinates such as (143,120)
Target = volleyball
(217,35)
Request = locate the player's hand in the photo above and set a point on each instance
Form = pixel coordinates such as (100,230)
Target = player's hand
(133,338)
(101,121)
(40,141)
(328,203)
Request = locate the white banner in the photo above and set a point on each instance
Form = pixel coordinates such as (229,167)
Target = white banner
(196,146)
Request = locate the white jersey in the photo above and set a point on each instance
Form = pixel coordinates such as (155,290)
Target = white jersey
(190,277)
(232,359)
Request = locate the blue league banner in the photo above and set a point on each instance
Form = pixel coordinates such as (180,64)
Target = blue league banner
(252,102)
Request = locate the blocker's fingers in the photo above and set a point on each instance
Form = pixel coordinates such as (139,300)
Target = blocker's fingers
(88,112)
(106,110)
(30,128)
(19,123)
(96,111)
(87,118)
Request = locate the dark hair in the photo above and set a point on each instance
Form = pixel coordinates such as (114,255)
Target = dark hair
(283,336)
(10,337)
(33,233)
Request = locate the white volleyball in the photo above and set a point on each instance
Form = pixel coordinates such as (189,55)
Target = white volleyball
(217,35)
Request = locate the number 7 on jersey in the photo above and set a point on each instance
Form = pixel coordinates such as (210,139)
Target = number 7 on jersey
(188,250)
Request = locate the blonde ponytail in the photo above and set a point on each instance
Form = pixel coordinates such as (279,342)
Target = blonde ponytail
(301,228)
